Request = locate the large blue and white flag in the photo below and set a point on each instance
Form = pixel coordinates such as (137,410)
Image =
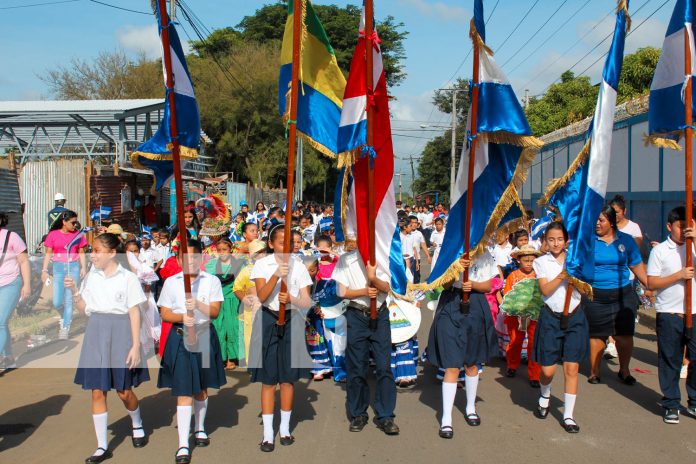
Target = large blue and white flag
(579,194)
(666,115)
(505,149)
(156,153)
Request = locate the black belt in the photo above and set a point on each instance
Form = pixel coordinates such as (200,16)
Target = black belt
(364,309)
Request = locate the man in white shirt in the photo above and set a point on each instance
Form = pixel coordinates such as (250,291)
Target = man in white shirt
(668,274)
(418,242)
(359,283)
(436,239)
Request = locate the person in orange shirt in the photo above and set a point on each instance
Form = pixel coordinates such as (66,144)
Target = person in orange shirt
(517,326)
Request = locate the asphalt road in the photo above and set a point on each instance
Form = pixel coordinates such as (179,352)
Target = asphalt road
(44,417)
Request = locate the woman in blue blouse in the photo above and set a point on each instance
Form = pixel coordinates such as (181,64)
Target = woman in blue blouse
(613,309)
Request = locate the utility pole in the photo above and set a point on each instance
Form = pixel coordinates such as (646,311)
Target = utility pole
(400,174)
(172,9)
(453,174)
(526,98)
(413,179)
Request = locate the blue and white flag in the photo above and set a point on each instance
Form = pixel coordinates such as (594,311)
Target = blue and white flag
(505,149)
(102,213)
(156,153)
(666,115)
(325,224)
(579,194)
(540,225)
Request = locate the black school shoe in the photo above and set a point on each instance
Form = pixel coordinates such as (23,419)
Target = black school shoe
(570,425)
(184,458)
(139,442)
(100,458)
(473,420)
(388,426)
(201,442)
(446,432)
(511,373)
(266,446)
(287,441)
(541,413)
(357,424)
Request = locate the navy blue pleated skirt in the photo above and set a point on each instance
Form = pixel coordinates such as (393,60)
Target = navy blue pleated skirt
(105,347)
(183,369)
(274,360)
(553,344)
(458,339)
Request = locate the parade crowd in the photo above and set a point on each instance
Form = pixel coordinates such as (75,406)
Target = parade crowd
(130,285)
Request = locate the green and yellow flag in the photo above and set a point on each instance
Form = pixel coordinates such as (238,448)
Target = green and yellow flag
(321,82)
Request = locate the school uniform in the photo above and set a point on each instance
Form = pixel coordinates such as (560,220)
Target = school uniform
(458,339)
(551,343)
(108,336)
(274,359)
(362,341)
(188,370)
(436,239)
(666,259)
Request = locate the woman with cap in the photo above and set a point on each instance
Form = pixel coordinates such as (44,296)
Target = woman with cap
(516,325)
(65,246)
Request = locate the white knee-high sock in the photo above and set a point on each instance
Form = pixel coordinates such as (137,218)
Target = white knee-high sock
(285,423)
(449,391)
(569,405)
(137,422)
(471,385)
(183,423)
(267,427)
(100,423)
(545,395)
(199,410)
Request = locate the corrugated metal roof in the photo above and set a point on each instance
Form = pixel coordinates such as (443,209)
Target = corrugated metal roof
(75,106)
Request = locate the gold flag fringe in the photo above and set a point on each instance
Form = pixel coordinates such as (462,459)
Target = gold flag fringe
(509,197)
(582,287)
(623,5)
(476,38)
(661,140)
(559,182)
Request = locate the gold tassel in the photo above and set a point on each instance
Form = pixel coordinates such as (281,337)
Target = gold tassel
(476,38)
(622,5)
(559,182)
(660,141)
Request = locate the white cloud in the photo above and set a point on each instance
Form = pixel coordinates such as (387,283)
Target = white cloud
(440,10)
(143,39)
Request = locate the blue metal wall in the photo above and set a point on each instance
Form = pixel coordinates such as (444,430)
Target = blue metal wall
(650,179)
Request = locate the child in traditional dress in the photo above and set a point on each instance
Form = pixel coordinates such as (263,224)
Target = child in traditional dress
(519,326)
(274,360)
(225,267)
(552,342)
(191,361)
(314,333)
(245,291)
(111,354)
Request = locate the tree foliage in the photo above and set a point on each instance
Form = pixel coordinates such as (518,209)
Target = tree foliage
(637,73)
(235,74)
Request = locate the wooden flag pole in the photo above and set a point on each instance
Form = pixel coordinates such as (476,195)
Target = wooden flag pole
(369,78)
(688,188)
(470,178)
(566,306)
(176,159)
(292,148)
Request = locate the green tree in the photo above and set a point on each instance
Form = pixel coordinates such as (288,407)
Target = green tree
(637,73)
(433,168)
(219,42)
(268,25)
(442,99)
(569,101)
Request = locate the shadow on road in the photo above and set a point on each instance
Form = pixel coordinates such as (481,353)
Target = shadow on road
(157,412)
(223,408)
(13,433)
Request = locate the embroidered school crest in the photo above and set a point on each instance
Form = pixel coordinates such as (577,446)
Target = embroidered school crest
(120,297)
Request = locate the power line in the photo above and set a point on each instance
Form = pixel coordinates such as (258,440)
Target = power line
(36,4)
(627,35)
(551,36)
(535,33)
(611,12)
(120,7)
(517,26)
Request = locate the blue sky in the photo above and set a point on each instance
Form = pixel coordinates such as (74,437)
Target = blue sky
(39,38)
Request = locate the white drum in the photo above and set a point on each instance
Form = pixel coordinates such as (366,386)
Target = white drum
(404,319)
